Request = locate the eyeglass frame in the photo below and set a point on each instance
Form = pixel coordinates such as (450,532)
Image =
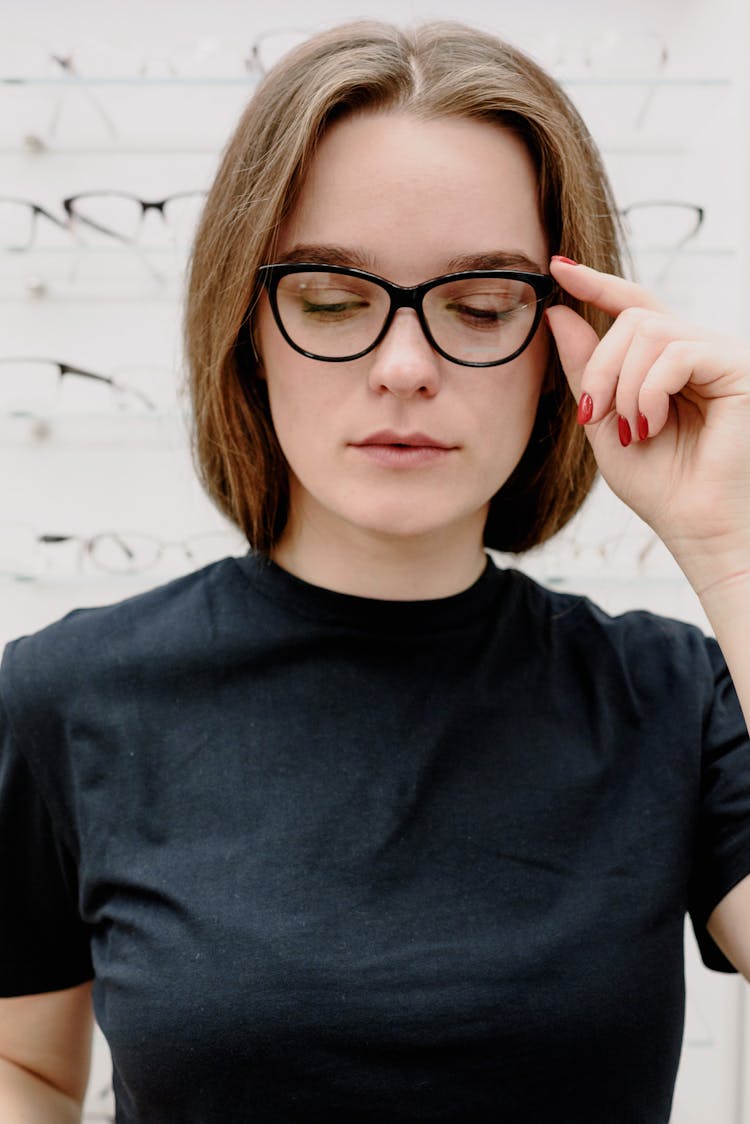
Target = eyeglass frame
(69,369)
(73,216)
(36,210)
(86,546)
(673,204)
(404,296)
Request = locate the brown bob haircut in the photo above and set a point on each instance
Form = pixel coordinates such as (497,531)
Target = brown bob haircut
(432,71)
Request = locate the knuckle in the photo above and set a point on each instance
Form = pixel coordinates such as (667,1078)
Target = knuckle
(633,315)
(677,350)
(651,325)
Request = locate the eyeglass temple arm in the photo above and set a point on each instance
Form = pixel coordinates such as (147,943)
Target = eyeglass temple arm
(67,65)
(67,369)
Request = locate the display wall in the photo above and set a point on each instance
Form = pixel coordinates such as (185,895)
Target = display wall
(105,107)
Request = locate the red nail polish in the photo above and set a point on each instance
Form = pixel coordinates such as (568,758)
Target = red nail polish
(623,428)
(642,427)
(585,409)
(566,261)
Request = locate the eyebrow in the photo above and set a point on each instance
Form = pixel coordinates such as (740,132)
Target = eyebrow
(321,254)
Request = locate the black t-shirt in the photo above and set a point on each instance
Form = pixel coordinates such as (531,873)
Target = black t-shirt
(330,858)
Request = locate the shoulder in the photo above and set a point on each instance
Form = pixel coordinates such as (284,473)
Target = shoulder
(645,648)
(103,647)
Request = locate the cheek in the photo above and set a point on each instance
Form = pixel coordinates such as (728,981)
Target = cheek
(519,388)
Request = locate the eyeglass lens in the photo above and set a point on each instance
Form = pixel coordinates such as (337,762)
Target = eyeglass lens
(16,225)
(118,215)
(473,320)
(666,225)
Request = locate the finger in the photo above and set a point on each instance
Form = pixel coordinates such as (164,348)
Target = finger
(603,372)
(641,399)
(575,340)
(610,293)
(710,370)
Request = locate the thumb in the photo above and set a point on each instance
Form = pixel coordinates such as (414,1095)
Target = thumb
(575,340)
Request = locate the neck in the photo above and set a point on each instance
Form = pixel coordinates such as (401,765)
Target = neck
(386,567)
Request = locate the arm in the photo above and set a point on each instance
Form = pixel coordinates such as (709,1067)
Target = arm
(727,607)
(667,411)
(45,1053)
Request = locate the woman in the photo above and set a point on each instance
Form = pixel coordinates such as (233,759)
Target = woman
(360,826)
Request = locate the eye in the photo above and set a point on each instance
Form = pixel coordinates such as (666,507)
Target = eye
(484,304)
(488,313)
(484,310)
(324,298)
(330,303)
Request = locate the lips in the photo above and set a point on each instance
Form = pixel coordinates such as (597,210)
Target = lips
(392,451)
(391,439)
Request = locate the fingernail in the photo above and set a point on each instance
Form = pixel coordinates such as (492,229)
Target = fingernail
(566,261)
(585,409)
(642,427)
(623,429)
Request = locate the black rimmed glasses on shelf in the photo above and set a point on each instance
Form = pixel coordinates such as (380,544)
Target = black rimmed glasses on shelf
(32,387)
(120,215)
(662,227)
(477,318)
(662,223)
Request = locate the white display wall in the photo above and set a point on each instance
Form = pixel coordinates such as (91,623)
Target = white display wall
(140,98)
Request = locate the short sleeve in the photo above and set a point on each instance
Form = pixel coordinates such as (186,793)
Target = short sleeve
(43,943)
(722,855)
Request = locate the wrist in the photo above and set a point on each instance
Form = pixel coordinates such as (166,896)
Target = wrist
(712,566)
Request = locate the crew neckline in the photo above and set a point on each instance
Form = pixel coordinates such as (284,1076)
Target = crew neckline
(317,603)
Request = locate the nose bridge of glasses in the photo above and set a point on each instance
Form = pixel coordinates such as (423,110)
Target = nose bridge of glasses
(404,296)
(406,352)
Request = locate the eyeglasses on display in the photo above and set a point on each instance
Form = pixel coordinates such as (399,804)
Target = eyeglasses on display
(32,387)
(477,318)
(120,215)
(662,223)
(661,227)
(92,59)
(26,554)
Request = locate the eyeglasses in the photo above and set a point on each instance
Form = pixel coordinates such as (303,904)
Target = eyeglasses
(662,223)
(663,227)
(92,59)
(31,387)
(26,554)
(478,318)
(120,215)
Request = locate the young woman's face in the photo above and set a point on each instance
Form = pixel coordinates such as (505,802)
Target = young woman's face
(403,443)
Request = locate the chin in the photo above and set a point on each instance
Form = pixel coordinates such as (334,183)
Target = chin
(422,524)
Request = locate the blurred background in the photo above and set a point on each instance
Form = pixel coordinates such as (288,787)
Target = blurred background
(106,108)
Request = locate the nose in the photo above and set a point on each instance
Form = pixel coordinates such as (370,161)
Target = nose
(404,363)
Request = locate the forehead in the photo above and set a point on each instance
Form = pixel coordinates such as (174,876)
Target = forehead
(409,195)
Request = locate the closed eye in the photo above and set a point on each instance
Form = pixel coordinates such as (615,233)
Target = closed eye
(332,309)
(482,317)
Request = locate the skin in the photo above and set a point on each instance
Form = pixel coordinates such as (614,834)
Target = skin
(689,478)
(357,525)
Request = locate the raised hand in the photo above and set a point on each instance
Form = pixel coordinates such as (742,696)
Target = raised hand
(667,410)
